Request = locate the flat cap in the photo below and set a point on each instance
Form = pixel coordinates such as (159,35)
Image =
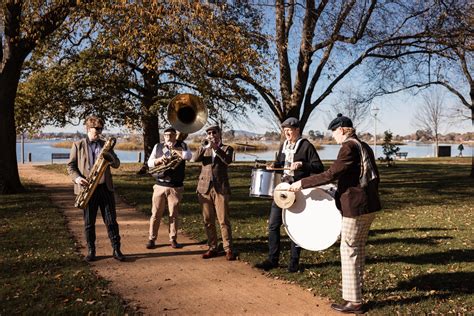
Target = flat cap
(290,122)
(340,121)
(213,127)
(169,129)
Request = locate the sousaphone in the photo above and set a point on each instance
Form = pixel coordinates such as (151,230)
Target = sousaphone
(187,113)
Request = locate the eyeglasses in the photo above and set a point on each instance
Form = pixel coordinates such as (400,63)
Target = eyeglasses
(212,133)
(99,129)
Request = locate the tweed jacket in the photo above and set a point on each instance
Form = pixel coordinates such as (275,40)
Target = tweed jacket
(351,198)
(214,172)
(78,165)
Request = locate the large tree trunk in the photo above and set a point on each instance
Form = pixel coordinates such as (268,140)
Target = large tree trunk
(150,126)
(9,177)
(151,136)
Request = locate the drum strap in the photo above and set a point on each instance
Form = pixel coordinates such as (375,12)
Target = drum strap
(367,170)
(290,152)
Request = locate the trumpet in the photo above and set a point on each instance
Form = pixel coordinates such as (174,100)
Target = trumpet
(206,143)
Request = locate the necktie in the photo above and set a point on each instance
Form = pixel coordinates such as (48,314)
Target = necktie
(94,146)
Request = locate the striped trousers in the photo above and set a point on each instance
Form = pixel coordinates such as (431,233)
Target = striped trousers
(354,233)
(103,199)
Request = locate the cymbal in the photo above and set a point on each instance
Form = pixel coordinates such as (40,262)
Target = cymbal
(282,197)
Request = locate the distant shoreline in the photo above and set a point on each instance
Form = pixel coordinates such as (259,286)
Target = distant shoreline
(252,146)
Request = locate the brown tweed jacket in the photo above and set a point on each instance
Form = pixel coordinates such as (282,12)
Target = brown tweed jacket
(351,198)
(214,172)
(78,165)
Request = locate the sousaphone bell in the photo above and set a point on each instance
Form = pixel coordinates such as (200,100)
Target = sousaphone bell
(187,113)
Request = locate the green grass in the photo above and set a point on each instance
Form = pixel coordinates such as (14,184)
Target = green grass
(420,248)
(41,271)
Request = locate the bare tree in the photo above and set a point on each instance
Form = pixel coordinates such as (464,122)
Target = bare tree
(431,115)
(443,57)
(353,105)
(319,44)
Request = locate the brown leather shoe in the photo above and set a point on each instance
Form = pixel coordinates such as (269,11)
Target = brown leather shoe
(174,244)
(209,254)
(229,255)
(349,308)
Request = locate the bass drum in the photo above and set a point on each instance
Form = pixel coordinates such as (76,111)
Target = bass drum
(313,222)
(263,182)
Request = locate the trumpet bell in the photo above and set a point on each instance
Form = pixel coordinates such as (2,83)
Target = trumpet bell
(187,113)
(206,144)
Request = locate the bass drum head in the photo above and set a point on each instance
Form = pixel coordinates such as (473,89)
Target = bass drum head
(313,222)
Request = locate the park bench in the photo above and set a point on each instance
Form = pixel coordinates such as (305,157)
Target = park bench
(59,156)
(401,155)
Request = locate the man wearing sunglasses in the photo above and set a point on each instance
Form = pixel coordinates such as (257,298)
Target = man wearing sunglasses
(169,185)
(213,191)
(83,155)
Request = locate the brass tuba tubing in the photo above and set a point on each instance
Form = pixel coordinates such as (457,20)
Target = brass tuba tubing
(187,113)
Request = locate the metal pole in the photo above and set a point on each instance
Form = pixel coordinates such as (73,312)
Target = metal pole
(375,111)
(375,135)
(22,148)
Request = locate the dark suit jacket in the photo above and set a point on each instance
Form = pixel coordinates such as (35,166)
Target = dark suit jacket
(78,165)
(214,172)
(351,199)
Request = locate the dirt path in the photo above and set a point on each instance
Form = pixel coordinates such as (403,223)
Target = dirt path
(166,281)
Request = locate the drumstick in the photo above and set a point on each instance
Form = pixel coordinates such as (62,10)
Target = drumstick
(271,168)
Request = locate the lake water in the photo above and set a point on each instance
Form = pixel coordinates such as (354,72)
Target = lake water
(41,152)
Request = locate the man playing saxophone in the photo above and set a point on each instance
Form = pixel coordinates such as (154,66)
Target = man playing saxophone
(167,164)
(83,156)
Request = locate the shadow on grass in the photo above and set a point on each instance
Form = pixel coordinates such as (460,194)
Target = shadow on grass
(434,286)
(375,232)
(436,258)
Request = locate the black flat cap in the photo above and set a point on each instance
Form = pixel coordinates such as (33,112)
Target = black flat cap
(213,127)
(290,122)
(340,121)
(169,129)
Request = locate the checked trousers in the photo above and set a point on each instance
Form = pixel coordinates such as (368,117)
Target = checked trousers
(354,233)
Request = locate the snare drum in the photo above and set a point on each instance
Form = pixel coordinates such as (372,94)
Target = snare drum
(263,182)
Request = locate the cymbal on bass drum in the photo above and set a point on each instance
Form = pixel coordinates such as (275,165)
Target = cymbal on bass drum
(282,197)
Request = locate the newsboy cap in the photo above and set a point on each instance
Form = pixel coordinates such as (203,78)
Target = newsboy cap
(213,127)
(340,121)
(290,122)
(169,129)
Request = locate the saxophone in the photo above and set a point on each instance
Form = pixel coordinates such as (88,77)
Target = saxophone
(170,164)
(96,173)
